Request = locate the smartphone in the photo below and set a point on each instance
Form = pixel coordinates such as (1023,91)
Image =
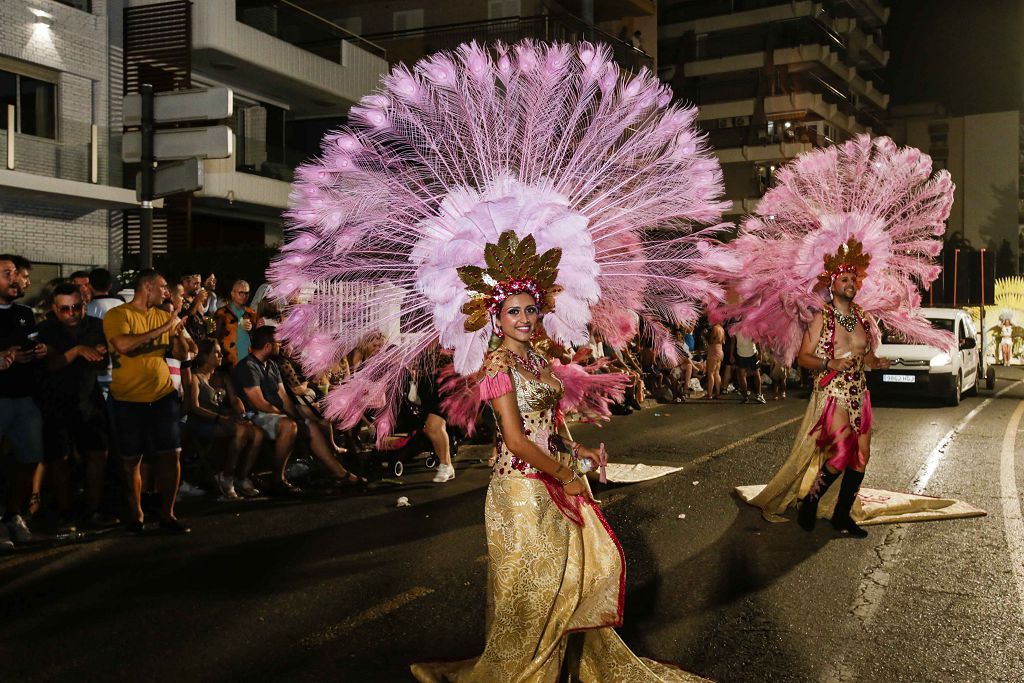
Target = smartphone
(30,342)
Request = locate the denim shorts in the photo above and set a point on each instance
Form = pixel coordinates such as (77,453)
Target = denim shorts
(22,423)
(147,429)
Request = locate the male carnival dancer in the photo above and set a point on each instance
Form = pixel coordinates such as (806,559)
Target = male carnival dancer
(844,240)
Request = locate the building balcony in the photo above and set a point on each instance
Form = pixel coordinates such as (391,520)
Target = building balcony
(793,106)
(224,183)
(47,170)
(412,45)
(274,47)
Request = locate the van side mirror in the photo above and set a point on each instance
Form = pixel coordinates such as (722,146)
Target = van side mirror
(968,343)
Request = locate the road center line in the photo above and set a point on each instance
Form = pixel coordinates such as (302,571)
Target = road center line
(744,441)
(924,474)
(871,590)
(1012,519)
(712,428)
(343,628)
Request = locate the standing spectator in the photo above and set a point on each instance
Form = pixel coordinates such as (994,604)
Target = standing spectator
(80,278)
(20,419)
(210,285)
(193,308)
(716,354)
(146,407)
(747,360)
(72,405)
(101,282)
(235,321)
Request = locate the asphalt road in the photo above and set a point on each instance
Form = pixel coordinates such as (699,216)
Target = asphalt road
(353,588)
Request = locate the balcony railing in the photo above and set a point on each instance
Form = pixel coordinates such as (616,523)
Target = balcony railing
(301,28)
(411,45)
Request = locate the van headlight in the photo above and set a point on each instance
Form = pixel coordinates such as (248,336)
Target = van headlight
(940,360)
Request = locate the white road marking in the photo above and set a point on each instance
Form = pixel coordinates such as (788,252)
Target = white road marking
(343,628)
(744,441)
(1012,519)
(712,428)
(924,474)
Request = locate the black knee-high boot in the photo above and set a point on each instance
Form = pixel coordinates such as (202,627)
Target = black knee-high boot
(807,515)
(841,519)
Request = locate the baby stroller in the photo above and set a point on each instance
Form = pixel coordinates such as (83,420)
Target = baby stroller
(400,451)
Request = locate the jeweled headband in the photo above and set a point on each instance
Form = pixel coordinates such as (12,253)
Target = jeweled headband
(513,267)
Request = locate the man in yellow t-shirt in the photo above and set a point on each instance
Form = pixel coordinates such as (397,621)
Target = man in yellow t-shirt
(146,407)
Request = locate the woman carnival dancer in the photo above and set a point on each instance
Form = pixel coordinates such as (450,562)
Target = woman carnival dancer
(466,198)
(842,241)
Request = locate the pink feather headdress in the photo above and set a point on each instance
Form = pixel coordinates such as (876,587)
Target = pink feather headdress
(865,206)
(551,142)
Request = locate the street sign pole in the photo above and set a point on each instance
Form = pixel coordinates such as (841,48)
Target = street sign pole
(148,162)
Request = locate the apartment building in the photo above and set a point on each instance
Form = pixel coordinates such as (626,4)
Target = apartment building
(774,78)
(294,76)
(984,153)
(58,197)
(411,29)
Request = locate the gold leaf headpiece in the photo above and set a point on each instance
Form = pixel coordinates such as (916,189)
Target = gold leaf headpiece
(513,267)
(849,258)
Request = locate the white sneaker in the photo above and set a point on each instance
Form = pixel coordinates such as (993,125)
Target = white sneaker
(760,398)
(5,539)
(245,487)
(226,486)
(444,473)
(187,490)
(19,530)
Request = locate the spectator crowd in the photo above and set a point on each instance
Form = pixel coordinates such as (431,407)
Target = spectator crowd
(100,392)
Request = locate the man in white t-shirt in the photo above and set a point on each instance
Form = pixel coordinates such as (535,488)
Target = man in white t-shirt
(746,360)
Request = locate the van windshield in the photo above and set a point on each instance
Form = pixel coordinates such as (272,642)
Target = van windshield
(894,337)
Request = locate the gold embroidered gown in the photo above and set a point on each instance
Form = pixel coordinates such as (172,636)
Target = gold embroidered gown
(554,566)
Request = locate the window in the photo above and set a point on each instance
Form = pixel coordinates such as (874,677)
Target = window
(35,104)
(353,25)
(499,9)
(407,20)
(84,5)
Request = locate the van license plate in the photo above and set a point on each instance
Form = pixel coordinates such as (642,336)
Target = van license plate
(903,379)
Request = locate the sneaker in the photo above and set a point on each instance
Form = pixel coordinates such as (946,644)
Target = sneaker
(226,485)
(746,398)
(5,539)
(187,490)
(245,488)
(760,398)
(444,473)
(19,530)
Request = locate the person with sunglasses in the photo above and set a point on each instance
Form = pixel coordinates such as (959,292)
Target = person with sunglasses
(74,417)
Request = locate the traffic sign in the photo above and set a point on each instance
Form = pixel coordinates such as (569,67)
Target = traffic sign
(179,106)
(207,142)
(168,179)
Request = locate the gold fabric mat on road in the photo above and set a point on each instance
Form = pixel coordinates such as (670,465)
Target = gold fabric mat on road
(619,473)
(889,507)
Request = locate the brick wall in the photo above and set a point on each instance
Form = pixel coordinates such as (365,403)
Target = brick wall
(53,234)
(77,46)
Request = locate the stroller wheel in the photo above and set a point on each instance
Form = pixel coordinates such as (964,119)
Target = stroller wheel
(398,468)
(431,461)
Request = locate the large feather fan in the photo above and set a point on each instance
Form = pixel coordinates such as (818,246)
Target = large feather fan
(554,141)
(885,197)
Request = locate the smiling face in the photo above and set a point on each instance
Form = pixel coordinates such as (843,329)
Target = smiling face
(519,317)
(9,289)
(846,286)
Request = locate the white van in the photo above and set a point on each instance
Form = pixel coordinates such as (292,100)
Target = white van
(919,370)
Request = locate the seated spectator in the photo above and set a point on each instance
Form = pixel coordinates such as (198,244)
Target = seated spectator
(20,419)
(80,278)
(72,404)
(214,410)
(102,282)
(259,384)
(234,324)
(146,407)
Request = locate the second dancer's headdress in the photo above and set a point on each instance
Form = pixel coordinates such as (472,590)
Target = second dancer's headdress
(467,170)
(866,206)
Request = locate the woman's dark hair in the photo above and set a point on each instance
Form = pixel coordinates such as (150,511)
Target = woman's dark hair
(206,347)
